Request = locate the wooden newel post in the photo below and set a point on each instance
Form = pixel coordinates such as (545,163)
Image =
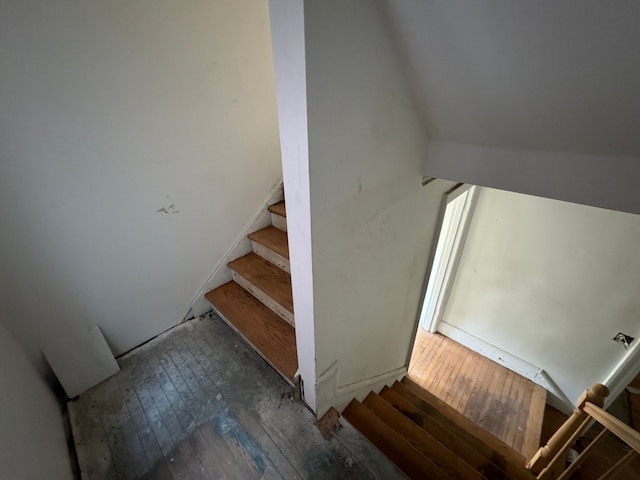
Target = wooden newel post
(596,395)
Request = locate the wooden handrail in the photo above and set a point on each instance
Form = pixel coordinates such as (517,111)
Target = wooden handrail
(557,462)
(543,457)
(583,456)
(549,462)
(620,429)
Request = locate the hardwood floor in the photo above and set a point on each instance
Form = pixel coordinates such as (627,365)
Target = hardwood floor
(197,403)
(503,403)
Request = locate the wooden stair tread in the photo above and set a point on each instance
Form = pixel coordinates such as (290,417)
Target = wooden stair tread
(533,429)
(411,462)
(279,209)
(274,338)
(421,440)
(272,238)
(484,460)
(273,281)
(423,398)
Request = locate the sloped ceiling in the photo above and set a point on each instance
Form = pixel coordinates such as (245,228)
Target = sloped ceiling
(549,75)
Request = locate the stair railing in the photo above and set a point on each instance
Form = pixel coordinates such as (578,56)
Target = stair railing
(549,462)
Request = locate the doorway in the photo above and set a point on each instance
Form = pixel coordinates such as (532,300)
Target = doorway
(456,212)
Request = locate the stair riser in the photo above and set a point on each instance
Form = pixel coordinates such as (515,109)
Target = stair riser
(279,222)
(271,256)
(270,303)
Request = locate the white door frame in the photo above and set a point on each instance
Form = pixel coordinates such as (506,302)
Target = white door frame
(454,225)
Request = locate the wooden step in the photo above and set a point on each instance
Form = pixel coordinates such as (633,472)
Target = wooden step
(271,244)
(411,462)
(427,399)
(500,456)
(422,441)
(505,404)
(279,209)
(452,439)
(279,216)
(273,338)
(268,283)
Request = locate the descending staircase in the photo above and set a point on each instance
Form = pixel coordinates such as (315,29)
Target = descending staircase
(258,303)
(426,438)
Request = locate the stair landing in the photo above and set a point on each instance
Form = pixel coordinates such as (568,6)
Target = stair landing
(503,403)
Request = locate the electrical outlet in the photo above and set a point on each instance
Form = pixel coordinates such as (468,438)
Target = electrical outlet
(623,339)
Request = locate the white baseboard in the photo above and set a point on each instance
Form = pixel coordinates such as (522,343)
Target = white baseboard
(340,396)
(557,398)
(623,373)
(241,246)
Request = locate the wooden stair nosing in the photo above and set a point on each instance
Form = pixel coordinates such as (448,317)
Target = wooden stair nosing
(533,432)
(273,338)
(493,469)
(272,238)
(279,209)
(458,418)
(411,462)
(266,277)
(421,440)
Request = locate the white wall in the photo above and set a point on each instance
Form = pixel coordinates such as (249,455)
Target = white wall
(551,283)
(597,180)
(372,223)
(534,97)
(543,75)
(32,438)
(110,112)
(287,33)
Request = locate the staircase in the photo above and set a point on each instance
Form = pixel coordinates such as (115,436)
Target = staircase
(258,303)
(426,438)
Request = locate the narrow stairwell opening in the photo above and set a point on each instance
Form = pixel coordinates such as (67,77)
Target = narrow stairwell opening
(258,302)
(496,399)
(426,438)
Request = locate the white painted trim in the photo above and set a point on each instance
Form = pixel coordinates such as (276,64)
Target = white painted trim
(448,253)
(557,399)
(241,246)
(340,396)
(623,373)
(289,60)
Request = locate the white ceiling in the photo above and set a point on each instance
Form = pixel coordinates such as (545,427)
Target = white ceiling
(539,75)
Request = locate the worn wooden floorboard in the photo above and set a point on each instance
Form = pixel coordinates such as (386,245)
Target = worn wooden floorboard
(197,403)
(274,338)
(505,404)
(313,457)
(355,443)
